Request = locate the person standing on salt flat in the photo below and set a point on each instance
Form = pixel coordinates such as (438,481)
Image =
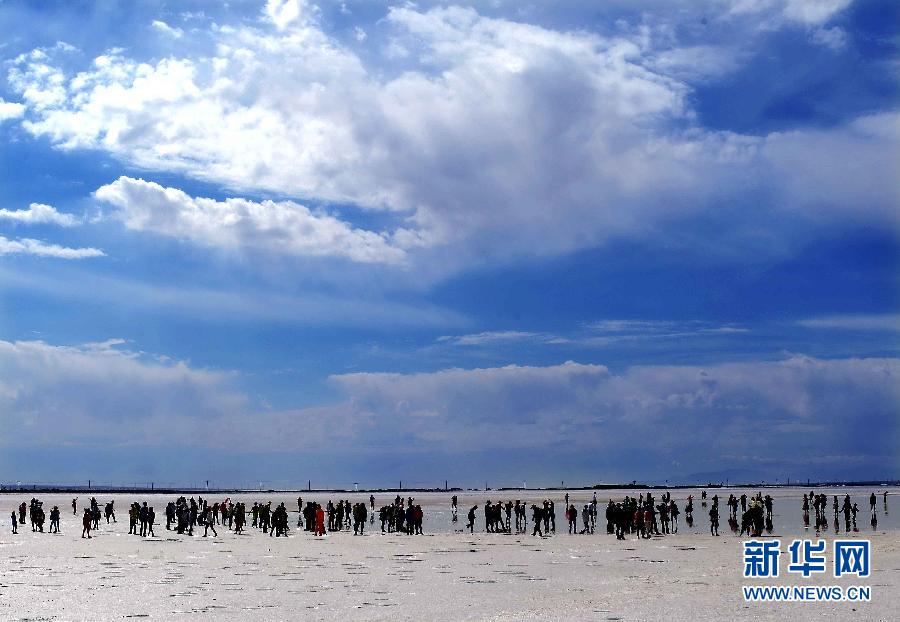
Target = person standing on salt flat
(471,517)
(537,516)
(208,523)
(320,520)
(15,523)
(86,524)
(571,517)
(714,520)
(54,519)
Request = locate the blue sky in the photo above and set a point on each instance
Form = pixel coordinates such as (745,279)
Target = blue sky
(371,241)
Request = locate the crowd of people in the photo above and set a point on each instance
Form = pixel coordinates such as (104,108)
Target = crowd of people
(35,511)
(849,509)
(643,516)
(401,516)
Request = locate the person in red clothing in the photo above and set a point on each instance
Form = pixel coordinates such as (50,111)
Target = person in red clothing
(320,520)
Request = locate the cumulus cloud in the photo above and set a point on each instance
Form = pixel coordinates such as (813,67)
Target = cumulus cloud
(39,213)
(10,110)
(100,393)
(281,227)
(780,414)
(780,417)
(498,138)
(28,246)
(283,13)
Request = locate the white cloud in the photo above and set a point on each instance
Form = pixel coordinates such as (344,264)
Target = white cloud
(631,326)
(490,123)
(834,38)
(814,11)
(164,28)
(39,213)
(613,329)
(10,110)
(806,12)
(600,333)
(696,63)
(639,422)
(875,322)
(281,227)
(283,13)
(99,393)
(695,416)
(28,246)
(840,172)
(231,305)
(476,339)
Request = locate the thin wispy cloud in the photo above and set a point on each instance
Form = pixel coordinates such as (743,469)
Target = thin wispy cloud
(598,334)
(488,337)
(859,322)
(28,246)
(229,306)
